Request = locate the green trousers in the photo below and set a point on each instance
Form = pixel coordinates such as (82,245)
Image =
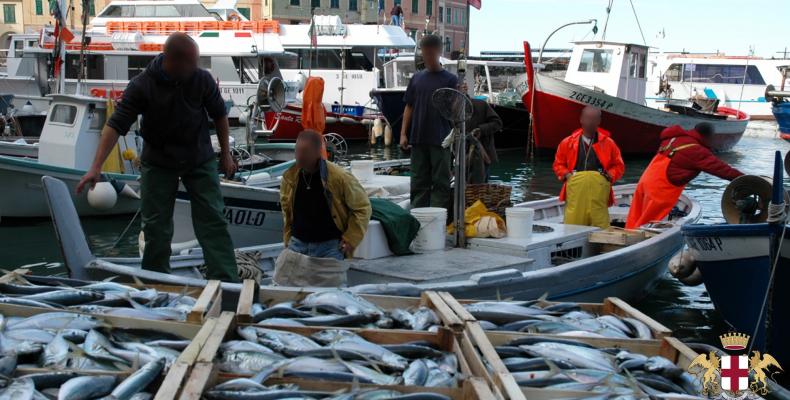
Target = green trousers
(158,188)
(430,176)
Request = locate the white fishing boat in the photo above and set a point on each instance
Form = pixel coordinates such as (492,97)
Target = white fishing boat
(737,82)
(559,260)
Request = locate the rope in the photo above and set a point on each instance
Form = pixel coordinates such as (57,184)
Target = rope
(776,213)
(606,24)
(637,22)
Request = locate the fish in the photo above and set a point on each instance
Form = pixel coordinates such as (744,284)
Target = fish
(292,343)
(244,345)
(502,312)
(50,379)
(86,387)
(247,362)
(371,351)
(662,366)
(138,381)
(351,303)
(55,352)
(14,289)
(97,346)
(171,344)
(8,364)
(18,389)
(335,320)
(579,356)
(403,317)
(424,317)
(282,310)
(416,374)
(20,301)
(643,331)
(280,322)
(66,297)
(30,335)
(413,350)
(56,321)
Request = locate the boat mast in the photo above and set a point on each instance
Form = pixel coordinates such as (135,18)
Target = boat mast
(83,44)
(62,49)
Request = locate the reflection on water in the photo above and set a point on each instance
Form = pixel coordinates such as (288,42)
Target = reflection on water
(684,309)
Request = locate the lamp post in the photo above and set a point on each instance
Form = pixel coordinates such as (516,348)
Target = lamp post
(589,21)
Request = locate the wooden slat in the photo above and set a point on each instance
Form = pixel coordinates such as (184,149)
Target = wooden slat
(445,313)
(246,299)
(217,336)
(199,381)
(210,294)
(685,355)
(500,375)
(622,308)
(459,309)
(476,389)
(191,352)
(172,382)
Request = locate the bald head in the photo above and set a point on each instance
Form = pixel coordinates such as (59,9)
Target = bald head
(181,56)
(590,120)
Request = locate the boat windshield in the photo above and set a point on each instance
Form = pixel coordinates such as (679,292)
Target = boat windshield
(596,60)
(155,11)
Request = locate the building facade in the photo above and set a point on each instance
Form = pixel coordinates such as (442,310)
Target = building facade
(299,11)
(445,18)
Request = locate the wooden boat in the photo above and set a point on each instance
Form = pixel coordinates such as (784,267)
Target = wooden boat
(559,261)
(26,147)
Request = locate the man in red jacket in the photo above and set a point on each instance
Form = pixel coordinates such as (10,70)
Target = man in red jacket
(588,162)
(681,157)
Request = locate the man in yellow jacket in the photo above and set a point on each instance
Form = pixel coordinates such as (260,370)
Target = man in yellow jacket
(325,209)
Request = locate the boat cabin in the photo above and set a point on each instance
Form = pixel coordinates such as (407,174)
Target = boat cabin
(617,69)
(72,130)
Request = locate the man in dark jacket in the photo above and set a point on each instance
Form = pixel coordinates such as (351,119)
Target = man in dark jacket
(681,157)
(483,125)
(175,98)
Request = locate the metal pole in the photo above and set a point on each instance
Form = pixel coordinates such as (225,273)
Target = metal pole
(459,206)
(777,229)
(62,71)
(540,55)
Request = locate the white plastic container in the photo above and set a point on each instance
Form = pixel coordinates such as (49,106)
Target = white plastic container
(362,170)
(374,244)
(519,222)
(431,236)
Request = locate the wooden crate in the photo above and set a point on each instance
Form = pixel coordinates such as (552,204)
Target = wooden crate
(200,336)
(270,295)
(610,306)
(206,372)
(617,236)
(208,299)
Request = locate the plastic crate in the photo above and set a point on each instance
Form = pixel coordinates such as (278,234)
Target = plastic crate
(356,111)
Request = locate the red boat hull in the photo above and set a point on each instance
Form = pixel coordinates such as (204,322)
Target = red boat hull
(291,124)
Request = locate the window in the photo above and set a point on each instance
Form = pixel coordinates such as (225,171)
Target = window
(111,11)
(352,5)
(596,60)
(448,13)
(63,114)
(448,44)
(245,11)
(137,65)
(295,3)
(315,3)
(98,118)
(636,65)
(441,14)
(673,73)
(39,7)
(9,14)
(415,7)
(428,7)
(731,74)
(94,66)
(91,8)
(334,4)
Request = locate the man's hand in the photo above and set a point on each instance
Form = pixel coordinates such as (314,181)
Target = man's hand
(89,179)
(227,165)
(404,142)
(567,176)
(476,133)
(347,249)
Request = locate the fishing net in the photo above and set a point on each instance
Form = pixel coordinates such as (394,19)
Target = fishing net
(453,105)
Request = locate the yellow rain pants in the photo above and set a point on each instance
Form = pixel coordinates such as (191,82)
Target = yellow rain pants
(587,199)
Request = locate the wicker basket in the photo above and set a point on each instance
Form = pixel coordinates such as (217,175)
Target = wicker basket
(495,197)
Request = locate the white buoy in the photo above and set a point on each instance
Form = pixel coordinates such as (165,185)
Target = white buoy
(127,191)
(243,118)
(387,135)
(378,128)
(102,196)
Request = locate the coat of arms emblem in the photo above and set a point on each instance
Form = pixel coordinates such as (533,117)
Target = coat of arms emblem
(728,375)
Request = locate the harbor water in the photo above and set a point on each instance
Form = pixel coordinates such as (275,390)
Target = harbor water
(687,310)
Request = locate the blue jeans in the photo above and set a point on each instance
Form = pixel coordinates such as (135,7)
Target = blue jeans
(396,20)
(328,249)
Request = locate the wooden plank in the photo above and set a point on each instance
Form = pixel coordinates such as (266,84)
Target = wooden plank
(459,309)
(217,336)
(486,349)
(191,352)
(685,355)
(510,387)
(442,309)
(210,294)
(199,381)
(476,389)
(616,236)
(172,382)
(622,308)
(246,299)
(476,364)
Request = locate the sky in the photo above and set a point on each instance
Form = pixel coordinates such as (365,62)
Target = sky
(729,26)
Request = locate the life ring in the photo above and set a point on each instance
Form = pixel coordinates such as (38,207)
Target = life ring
(234,17)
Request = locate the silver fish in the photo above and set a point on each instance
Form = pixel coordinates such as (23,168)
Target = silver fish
(372,375)
(86,387)
(502,312)
(8,365)
(19,389)
(20,301)
(643,331)
(57,321)
(246,362)
(97,346)
(372,351)
(30,335)
(244,345)
(138,381)
(424,317)
(285,341)
(416,374)
(66,297)
(56,352)
(350,302)
(576,355)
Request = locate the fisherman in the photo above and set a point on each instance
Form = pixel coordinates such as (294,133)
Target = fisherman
(588,162)
(682,156)
(483,125)
(424,129)
(175,98)
(326,213)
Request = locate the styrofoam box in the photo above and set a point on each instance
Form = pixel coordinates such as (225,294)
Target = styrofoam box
(374,244)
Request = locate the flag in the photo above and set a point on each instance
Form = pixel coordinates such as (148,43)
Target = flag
(66,34)
(313,33)
(476,3)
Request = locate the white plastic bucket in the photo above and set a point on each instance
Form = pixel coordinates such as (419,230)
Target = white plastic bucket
(431,236)
(519,222)
(362,169)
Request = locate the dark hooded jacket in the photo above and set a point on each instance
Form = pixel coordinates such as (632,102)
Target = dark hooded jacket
(175,115)
(688,162)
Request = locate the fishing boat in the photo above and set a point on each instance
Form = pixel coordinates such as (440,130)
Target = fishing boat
(610,76)
(498,82)
(559,259)
(737,82)
(780,106)
(745,275)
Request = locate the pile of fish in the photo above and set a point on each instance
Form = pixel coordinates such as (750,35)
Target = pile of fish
(64,340)
(241,389)
(70,385)
(566,319)
(106,298)
(564,364)
(342,308)
(335,355)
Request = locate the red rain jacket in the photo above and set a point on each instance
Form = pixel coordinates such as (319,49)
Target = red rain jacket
(686,164)
(605,149)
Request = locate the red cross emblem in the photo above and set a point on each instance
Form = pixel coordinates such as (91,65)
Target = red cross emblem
(734,373)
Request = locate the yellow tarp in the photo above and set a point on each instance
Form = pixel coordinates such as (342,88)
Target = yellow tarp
(481,223)
(587,198)
(114,162)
